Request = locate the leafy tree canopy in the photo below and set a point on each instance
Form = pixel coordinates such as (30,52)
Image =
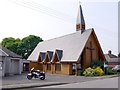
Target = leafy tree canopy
(22,47)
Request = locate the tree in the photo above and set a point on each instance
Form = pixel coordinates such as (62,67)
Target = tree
(30,42)
(22,47)
(6,42)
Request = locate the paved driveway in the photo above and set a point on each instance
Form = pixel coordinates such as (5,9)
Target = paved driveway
(21,79)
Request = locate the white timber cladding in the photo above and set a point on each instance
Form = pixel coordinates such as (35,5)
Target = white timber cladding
(71,44)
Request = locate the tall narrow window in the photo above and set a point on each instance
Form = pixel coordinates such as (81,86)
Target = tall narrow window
(58,67)
(48,66)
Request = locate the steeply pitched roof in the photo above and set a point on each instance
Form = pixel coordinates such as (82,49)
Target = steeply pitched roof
(6,52)
(71,44)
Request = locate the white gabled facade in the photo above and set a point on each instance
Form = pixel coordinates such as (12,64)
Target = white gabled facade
(10,65)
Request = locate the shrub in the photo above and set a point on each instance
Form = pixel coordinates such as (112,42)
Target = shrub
(93,72)
(89,72)
(110,71)
(80,72)
(99,71)
(97,63)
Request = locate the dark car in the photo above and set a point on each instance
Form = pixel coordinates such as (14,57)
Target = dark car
(116,68)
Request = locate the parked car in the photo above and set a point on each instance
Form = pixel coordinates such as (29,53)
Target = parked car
(116,68)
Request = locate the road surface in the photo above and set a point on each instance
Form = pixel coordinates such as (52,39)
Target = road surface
(101,83)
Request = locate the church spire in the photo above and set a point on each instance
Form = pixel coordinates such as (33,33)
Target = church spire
(80,23)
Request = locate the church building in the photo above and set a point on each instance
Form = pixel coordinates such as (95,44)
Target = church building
(73,51)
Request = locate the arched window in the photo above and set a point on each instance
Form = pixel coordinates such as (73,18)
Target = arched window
(57,67)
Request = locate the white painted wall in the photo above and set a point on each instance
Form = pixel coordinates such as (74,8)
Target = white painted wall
(11,66)
(21,66)
(1,68)
(16,66)
(7,63)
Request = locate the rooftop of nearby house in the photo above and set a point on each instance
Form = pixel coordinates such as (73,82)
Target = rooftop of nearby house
(111,57)
(5,52)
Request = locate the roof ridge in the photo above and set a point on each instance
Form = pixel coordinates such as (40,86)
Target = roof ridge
(4,52)
(65,35)
(9,52)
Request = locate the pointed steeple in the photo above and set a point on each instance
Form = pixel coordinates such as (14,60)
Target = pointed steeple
(80,23)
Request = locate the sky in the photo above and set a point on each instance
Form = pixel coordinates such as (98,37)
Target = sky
(54,18)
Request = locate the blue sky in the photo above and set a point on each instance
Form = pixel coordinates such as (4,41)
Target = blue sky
(53,18)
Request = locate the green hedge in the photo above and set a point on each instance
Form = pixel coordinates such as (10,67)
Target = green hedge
(110,71)
(80,72)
